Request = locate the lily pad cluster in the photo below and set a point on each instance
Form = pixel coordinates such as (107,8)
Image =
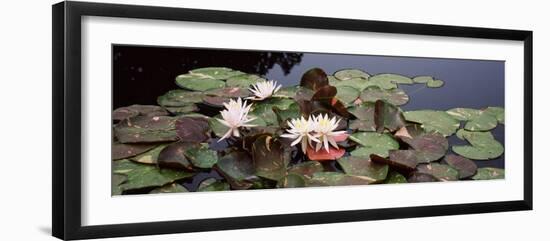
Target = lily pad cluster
(176,146)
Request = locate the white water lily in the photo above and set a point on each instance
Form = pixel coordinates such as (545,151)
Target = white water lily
(234,116)
(324,131)
(264,89)
(301,130)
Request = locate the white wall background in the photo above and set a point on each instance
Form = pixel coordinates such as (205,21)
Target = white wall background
(25,122)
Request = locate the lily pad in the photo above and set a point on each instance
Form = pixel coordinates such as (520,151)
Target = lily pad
(347,74)
(347,94)
(401,160)
(146,129)
(193,129)
(395,178)
(314,79)
(292,112)
(237,165)
(264,109)
(288,91)
(198,82)
(464,114)
(324,155)
(497,112)
(489,173)
(306,169)
(440,171)
(292,180)
(338,179)
(363,166)
(433,120)
(483,145)
(182,109)
(483,122)
(143,175)
(216,72)
(169,188)
(389,81)
(202,156)
(435,83)
(393,96)
(179,98)
(121,151)
(144,110)
(387,116)
(244,80)
(173,156)
(211,184)
(268,158)
(373,143)
(422,79)
(149,157)
(465,167)
(116,180)
(428,146)
(421,177)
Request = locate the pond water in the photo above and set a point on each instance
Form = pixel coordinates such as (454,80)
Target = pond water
(141,74)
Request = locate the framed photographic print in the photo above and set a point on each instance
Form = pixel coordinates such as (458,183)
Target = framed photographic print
(171,120)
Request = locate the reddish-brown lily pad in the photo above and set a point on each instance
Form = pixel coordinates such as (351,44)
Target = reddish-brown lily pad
(465,167)
(324,155)
(193,129)
(440,171)
(268,158)
(387,116)
(121,151)
(146,129)
(173,156)
(314,79)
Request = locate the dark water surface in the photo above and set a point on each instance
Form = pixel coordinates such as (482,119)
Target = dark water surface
(141,74)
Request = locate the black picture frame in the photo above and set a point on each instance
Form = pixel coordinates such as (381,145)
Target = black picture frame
(66,47)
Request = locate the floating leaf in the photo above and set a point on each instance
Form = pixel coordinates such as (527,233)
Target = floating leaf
(149,157)
(146,129)
(483,122)
(179,98)
(244,80)
(288,91)
(428,146)
(306,169)
(433,120)
(198,82)
(229,92)
(440,171)
(169,188)
(347,74)
(202,156)
(389,81)
(401,160)
(143,175)
(422,79)
(144,110)
(268,158)
(338,179)
(264,109)
(182,109)
(489,173)
(292,180)
(292,112)
(314,79)
(497,112)
(373,143)
(216,72)
(395,178)
(363,166)
(193,129)
(393,96)
(421,177)
(237,165)
(173,156)
(464,114)
(435,83)
(483,145)
(347,94)
(116,180)
(465,167)
(324,155)
(121,151)
(124,113)
(387,116)
(211,184)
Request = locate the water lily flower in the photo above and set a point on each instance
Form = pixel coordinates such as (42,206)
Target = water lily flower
(234,116)
(301,130)
(324,131)
(264,89)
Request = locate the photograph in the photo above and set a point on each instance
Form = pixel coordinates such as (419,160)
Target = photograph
(199,119)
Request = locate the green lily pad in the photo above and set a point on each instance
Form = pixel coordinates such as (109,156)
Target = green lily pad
(135,110)
(292,180)
(146,129)
(464,114)
(202,156)
(393,96)
(395,178)
(483,145)
(347,74)
(440,171)
(465,167)
(422,79)
(143,175)
(288,91)
(497,112)
(306,169)
(264,109)
(237,165)
(179,98)
(373,143)
(292,112)
(435,83)
(181,110)
(389,81)
(483,122)
(216,72)
(244,80)
(116,180)
(149,157)
(211,184)
(169,188)
(268,158)
(433,120)
(198,82)
(363,166)
(365,117)
(193,129)
(121,151)
(338,179)
(489,173)
(347,94)
(173,156)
